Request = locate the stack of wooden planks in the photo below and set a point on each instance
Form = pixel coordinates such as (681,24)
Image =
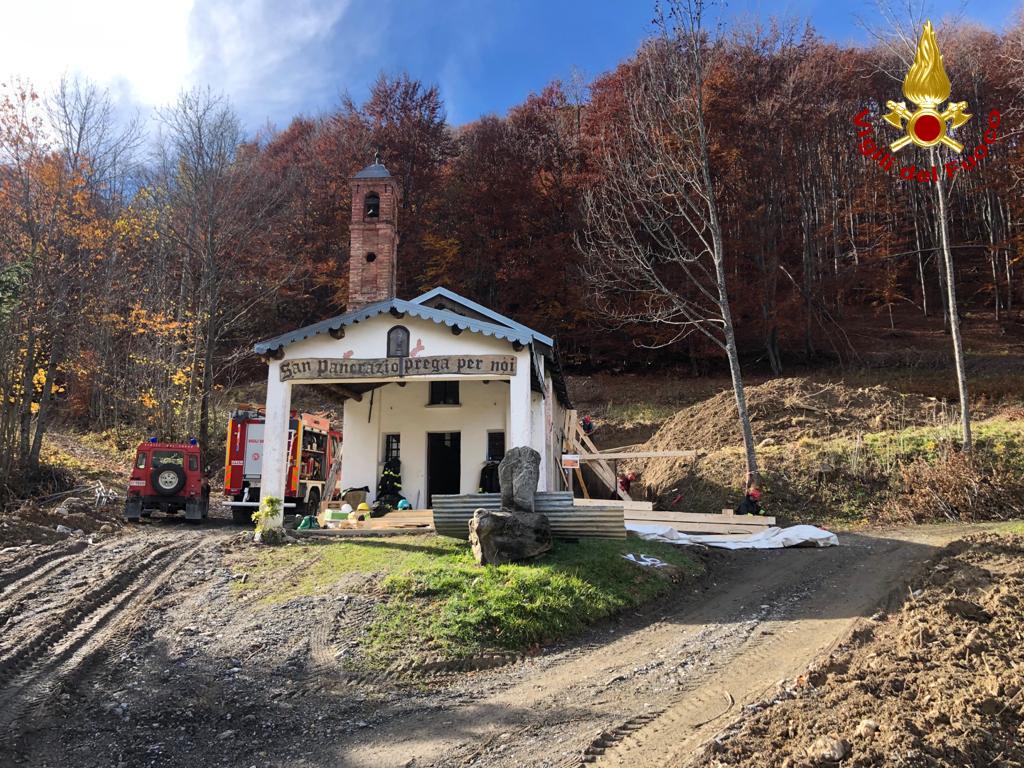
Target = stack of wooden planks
(400,518)
(687,522)
(395,522)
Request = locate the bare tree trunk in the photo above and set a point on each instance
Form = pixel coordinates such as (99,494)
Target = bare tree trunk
(653,243)
(954,318)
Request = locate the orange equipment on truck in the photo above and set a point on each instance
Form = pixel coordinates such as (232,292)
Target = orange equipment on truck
(313,445)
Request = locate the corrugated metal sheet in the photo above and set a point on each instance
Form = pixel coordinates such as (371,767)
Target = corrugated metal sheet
(453,513)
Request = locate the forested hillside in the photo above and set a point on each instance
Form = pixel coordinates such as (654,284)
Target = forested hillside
(139,262)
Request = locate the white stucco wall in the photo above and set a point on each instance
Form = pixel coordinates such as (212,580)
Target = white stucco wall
(502,404)
(404,411)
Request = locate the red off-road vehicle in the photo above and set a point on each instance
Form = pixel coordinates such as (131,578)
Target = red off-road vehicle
(170,477)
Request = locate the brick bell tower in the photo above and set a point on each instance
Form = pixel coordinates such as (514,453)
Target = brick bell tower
(373,251)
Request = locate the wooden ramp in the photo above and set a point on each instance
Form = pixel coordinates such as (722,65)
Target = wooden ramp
(603,521)
(686,522)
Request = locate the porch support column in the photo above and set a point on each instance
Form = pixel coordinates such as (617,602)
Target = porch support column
(520,420)
(275,439)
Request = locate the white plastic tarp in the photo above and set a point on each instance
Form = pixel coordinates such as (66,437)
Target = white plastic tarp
(770,538)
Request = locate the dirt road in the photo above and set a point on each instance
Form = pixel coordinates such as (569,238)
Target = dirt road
(134,652)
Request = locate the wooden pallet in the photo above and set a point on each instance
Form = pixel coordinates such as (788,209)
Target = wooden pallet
(687,522)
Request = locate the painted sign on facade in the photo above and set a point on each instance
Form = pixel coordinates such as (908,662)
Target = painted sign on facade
(312,368)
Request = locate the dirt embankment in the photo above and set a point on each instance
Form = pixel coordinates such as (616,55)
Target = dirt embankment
(940,683)
(784,413)
(68,519)
(784,410)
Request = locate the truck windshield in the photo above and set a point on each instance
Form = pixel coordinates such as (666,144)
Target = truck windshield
(168,457)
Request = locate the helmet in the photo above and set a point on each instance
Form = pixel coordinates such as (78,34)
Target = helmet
(363,507)
(404,504)
(755,494)
(346,508)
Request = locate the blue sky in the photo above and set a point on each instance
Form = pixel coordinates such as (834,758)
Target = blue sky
(279,58)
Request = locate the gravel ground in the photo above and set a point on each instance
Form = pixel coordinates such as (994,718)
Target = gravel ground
(136,650)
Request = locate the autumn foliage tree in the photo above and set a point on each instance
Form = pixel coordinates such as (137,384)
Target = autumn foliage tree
(136,272)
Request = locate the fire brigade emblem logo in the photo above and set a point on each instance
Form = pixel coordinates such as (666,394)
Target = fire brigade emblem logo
(927,86)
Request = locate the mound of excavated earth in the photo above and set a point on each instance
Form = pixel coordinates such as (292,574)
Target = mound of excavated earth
(783,410)
(788,409)
(941,683)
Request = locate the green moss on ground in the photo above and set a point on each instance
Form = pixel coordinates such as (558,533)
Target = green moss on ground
(435,599)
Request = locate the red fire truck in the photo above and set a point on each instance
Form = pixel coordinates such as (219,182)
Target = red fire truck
(313,445)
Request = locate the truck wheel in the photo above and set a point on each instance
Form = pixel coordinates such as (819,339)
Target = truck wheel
(168,479)
(241,516)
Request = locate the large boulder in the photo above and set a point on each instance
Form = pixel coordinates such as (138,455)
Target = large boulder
(518,474)
(498,538)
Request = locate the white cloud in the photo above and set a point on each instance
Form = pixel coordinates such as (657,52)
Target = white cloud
(138,49)
(268,56)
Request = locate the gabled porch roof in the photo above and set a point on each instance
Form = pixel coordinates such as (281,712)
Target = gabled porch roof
(495,324)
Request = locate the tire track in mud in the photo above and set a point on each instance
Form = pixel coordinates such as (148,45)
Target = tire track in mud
(39,566)
(700,703)
(23,583)
(756,660)
(40,592)
(65,646)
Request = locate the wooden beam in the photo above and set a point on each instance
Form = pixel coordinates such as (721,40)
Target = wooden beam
(676,519)
(583,484)
(629,506)
(337,333)
(344,391)
(701,527)
(639,455)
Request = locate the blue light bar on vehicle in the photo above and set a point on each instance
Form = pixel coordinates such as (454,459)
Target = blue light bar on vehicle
(153,440)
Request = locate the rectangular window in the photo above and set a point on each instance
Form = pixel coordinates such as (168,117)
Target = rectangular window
(141,461)
(193,463)
(169,457)
(444,393)
(392,447)
(495,446)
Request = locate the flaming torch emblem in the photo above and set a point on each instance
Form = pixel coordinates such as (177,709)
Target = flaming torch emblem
(927,85)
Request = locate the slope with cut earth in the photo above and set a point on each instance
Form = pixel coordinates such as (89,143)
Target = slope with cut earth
(784,411)
(939,683)
(833,454)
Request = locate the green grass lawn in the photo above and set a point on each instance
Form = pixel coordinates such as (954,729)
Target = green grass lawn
(435,599)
